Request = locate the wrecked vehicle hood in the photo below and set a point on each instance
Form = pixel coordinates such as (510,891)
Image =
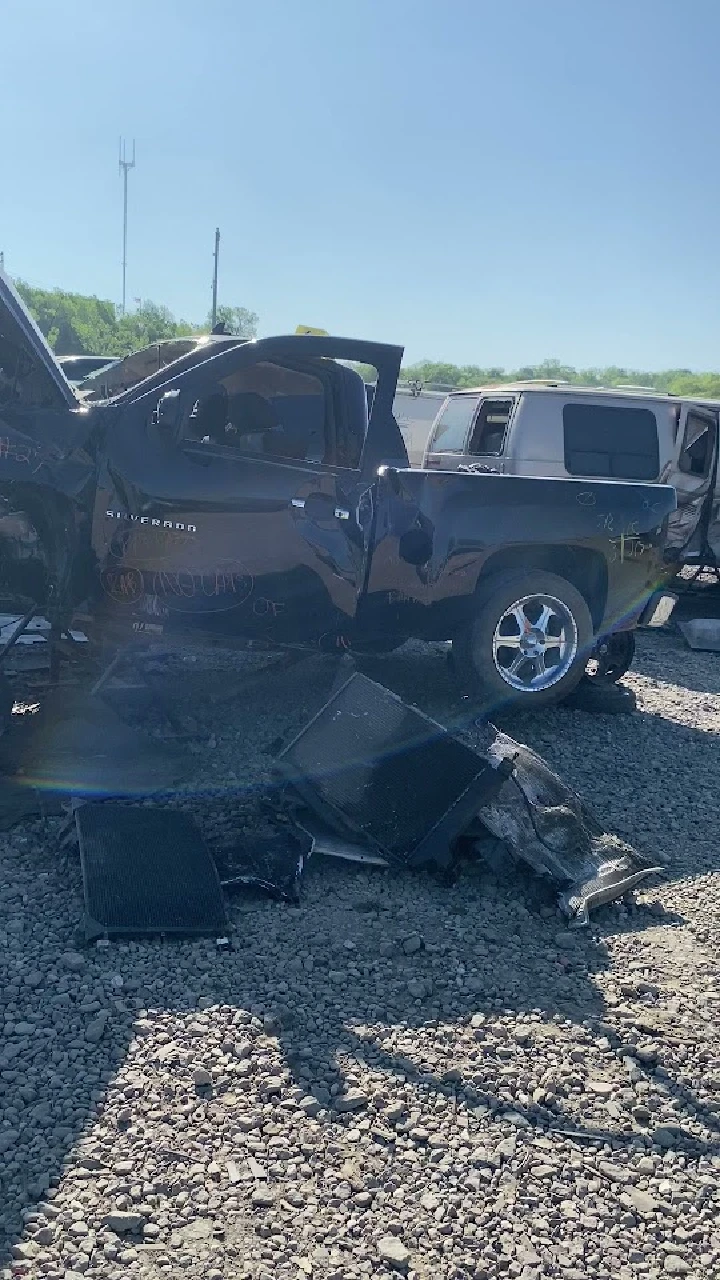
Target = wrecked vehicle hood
(28,368)
(44,427)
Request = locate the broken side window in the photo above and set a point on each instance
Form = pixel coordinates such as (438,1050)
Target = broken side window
(488,435)
(697,448)
(453,424)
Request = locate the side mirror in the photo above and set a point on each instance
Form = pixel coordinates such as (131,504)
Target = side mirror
(167,412)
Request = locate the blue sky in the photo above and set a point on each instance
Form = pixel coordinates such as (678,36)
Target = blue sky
(485,182)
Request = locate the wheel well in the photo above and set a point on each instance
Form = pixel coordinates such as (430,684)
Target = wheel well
(36,545)
(586,570)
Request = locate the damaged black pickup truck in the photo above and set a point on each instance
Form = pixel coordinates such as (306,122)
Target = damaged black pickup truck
(260,492)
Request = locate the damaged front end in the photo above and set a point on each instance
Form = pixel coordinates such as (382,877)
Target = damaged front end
(545,824)
(47,474)
(393,783)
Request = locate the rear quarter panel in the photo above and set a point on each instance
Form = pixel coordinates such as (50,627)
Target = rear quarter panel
(437,531)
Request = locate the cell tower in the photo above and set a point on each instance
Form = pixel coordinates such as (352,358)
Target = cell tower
(125,166)
(216,260)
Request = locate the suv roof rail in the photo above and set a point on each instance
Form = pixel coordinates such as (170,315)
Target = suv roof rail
(542,382)
(636,386)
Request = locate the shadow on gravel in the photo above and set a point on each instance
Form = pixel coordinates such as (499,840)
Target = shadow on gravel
(319,1004)
(335,983)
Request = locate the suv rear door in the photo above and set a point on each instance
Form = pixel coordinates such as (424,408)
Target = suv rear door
(470,432)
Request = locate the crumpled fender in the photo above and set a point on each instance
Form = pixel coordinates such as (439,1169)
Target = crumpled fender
(27,460)
(26,561)
(44,494)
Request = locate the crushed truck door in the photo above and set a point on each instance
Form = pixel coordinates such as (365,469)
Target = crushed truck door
(237,497)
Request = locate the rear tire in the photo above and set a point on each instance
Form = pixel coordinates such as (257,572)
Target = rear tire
(528,643)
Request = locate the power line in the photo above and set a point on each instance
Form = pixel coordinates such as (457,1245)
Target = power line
(125,166)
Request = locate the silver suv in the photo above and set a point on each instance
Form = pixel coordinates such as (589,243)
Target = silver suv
(555,429)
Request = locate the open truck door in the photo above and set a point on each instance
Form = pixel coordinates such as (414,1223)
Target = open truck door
(239,496)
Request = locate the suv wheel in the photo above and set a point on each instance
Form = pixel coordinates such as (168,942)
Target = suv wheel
(528,642)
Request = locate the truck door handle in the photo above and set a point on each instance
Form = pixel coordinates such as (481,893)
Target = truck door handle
(317,502)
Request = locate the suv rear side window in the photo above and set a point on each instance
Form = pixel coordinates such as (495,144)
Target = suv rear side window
(697,450)
(488,434)
(453,425)
(620,444)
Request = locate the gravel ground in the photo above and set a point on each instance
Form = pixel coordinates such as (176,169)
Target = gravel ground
(396,1077)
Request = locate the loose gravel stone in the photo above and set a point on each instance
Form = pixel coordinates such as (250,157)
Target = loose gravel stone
(120,1223)
(353,1101)
(675,1265)
(412,944)
(393,1251)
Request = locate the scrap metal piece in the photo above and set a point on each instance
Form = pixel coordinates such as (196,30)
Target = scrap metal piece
(381,771)
(702,633)
(546,824)
(614,880)
(326,842)
(146,871)
(273,863)
(15,632)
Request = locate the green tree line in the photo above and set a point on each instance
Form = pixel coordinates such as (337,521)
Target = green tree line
(78,325)
(682,382)
(75,324)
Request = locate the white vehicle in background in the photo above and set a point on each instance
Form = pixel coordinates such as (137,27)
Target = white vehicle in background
(557,429)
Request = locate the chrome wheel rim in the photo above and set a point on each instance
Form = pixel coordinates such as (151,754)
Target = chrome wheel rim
(535,643)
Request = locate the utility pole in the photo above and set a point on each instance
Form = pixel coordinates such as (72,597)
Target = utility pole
(216,259)
(2,262)
(125,166)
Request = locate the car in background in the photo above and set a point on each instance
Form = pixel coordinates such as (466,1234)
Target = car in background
(78,368)
(123,374)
